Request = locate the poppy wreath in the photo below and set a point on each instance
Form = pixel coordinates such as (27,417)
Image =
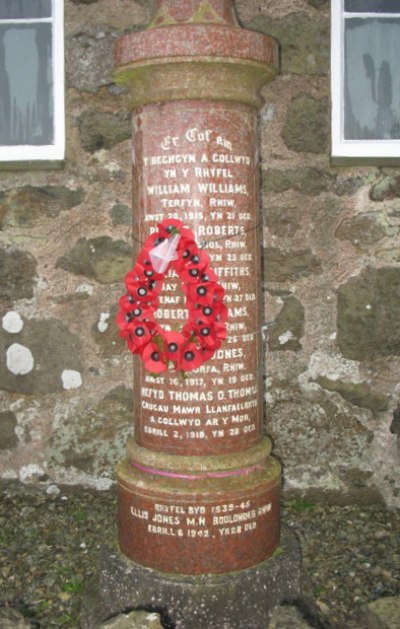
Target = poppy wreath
(205,328)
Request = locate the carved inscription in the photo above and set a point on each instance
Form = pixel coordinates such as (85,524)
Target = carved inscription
(205,521)
(215,532)
(201,169)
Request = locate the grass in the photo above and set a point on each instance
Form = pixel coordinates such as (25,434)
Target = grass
(67,619)
(302,505)
(81,516)
(7,536)
(72,586)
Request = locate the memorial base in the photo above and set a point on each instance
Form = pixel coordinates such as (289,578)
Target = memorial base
(240,600)
(199,515)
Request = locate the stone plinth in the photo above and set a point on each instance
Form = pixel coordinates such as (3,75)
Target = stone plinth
(199,491)
(241,600)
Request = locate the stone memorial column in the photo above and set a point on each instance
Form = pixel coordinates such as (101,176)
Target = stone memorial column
(199,492)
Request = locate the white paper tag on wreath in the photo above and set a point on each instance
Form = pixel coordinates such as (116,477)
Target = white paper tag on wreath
(164,253)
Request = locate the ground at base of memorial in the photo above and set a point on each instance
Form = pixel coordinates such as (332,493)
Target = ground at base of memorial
(50,537)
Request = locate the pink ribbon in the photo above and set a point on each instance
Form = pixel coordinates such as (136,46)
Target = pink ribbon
(244,471)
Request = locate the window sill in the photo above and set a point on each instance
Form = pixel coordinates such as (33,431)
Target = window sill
(32,165)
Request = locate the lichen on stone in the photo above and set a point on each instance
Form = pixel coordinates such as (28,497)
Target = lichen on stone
(53,349)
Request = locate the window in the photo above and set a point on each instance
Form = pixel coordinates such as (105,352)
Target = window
(31,80)
(365,53)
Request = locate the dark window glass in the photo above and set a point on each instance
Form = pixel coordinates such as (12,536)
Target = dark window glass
(372,85)
(15,9)
(372,6)
(26,84)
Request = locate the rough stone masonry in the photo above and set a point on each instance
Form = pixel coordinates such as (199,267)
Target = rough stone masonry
(331,275)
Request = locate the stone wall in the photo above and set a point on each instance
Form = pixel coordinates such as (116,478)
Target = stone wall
(331,276)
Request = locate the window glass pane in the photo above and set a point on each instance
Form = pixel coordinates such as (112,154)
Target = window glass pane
(12,9)
(26,83)
(372,80)
(372,6)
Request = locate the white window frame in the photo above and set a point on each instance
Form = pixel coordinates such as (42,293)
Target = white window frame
(387,151)
(55,151)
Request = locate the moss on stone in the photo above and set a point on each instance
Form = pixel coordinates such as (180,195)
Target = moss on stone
(317,4)
(99,427)
(288,327)
(8,424)
(18,273)
(390,254)
(283,221)
(310,181)
(386,188)
(103,130)
(102,259)
(383,613)
(306,128)
(364,229)
(304,41)
(368,322)
(121,395)
(359,394)
(91,46)
(282,265)
(121,215)
(23,207)
(316,437)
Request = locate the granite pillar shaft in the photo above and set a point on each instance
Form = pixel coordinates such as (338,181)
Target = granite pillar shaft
(196,161)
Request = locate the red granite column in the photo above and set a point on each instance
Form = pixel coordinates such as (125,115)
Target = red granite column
(199,491)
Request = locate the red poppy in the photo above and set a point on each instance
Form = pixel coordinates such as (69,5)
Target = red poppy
(145,273)
(204,293)
(186,250)
(190,358)
(169,226)
(126,303)
(140,334)
(134,275)
(209,276)
(195,267)
(212,312)
(173,343)
(138,312)
(211,335)
(189,330)
(187,236)
(153,358)
(145,292)
(122,320)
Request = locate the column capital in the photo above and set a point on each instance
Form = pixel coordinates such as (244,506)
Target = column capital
(168,12)
(194,52)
